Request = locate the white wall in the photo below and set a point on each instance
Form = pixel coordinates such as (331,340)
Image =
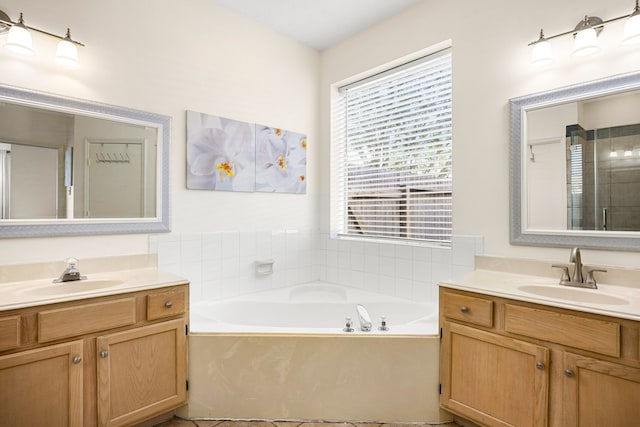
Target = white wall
(490,66)
(167,56)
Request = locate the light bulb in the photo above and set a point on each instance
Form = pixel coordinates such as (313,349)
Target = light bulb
(586,42)
(541,54)
(19,39)
(632,29)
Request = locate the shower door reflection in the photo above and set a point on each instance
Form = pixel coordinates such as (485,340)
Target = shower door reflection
(603,179)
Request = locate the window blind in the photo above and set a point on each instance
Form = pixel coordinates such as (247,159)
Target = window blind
(392,152)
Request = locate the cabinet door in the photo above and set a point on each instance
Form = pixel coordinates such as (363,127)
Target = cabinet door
(598,393)
(42,387)
(141,373)
(493,380)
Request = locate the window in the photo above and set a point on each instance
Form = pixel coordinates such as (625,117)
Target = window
(391,154)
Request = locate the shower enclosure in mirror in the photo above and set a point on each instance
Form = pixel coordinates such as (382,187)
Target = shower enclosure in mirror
(76,167)
(575,166)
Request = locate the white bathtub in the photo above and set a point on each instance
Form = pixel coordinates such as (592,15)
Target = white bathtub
(282,355)
(313,308)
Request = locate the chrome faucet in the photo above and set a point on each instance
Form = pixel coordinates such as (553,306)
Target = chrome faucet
(365,319)
(71,273)
(577,279)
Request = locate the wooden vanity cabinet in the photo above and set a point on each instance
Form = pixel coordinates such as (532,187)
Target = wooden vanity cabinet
(108,361)
(511,363)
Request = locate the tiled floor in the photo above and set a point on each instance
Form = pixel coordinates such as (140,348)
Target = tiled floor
(176,422)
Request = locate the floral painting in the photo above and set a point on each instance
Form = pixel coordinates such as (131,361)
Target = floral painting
(220,153)
(281,160)
(225,154)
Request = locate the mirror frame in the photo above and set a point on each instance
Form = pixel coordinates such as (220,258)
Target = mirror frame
(609,240)
(91,226)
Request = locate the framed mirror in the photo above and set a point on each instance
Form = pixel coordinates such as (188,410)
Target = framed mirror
(575,166)
(75,167)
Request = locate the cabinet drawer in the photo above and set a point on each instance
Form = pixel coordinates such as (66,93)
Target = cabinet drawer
(73,321)
(9,332)
(468,309)
(166,304)
(598,336)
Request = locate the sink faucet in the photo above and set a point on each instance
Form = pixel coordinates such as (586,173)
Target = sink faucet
(365,319)
(577,279)
(577,270)
(71,273)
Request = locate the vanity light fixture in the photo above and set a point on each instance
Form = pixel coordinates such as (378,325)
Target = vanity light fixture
(19,40)
(585,35)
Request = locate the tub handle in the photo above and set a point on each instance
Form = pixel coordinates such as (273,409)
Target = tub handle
(348,325)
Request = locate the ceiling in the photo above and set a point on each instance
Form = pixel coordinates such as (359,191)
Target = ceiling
(319,24)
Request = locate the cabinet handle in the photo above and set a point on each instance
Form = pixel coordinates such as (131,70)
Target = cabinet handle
(168,304)
(569,373)
(464,309)
(104,354)
(540,365)
(76,360)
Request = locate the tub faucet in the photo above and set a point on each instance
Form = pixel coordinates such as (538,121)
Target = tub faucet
(71,273)
(365,319)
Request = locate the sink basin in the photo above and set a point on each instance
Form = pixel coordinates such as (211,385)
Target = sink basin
(72,287)
(566,293)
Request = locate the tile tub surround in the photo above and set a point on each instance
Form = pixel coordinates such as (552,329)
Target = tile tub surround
(221,265)
(305,377)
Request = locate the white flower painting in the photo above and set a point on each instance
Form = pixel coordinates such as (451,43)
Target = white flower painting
(281,160)
(220,153)
(225,154)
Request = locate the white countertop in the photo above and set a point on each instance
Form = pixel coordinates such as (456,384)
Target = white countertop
(28,293)
(511,285)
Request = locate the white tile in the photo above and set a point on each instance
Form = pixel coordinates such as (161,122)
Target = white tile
(263,245)
(344,277)
(332,274)
(190,247)
(404,252)
(357,261)
(404,268)
(357,279)
(441,256)
(463,250)
(230,244)
(388,285)
(153,245)
(230,288)
(440,272)
(371,248)
(344,260)
(372,264)
(459,271)
(422,254)
(387,249)
(371,282)
(212,290)
(306,275)
(168,252)
(404,288)
(357,247)
(332,259)
(387,266)
(211,270)
(332,243)
(231,268)
(192,270)
(247,244)
(263,283)
(211,246)
(479,245)
(344,245)
(421,271)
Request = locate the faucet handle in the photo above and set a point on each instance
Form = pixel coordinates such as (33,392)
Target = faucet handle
(591,280)
(565,273)
(71,262)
